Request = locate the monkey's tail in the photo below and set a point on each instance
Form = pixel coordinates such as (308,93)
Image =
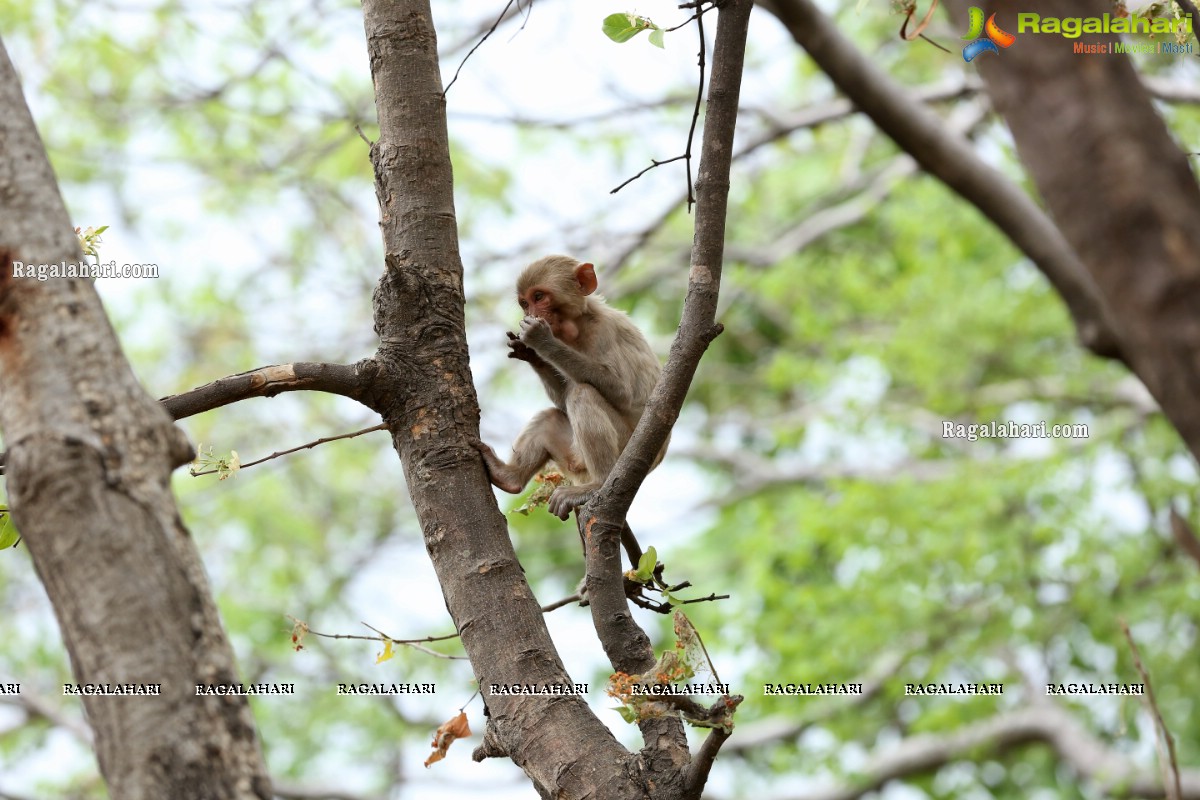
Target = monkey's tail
(630,543)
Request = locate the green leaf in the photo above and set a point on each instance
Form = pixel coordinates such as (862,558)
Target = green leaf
(627,714)
(656,38)
(623,27)
(646,564)
(8,532)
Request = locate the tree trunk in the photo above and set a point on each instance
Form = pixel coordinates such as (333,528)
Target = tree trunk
(89,462)
(1120,189)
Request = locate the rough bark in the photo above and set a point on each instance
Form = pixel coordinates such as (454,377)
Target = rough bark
(1120,189)
(89,461)
(425,393)
(624,642)
(423,388)
(349,381)
(605,514)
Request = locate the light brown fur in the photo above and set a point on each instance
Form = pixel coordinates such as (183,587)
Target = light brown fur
(598,371)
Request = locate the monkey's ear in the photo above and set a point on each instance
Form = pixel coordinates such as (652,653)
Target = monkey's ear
(585,276)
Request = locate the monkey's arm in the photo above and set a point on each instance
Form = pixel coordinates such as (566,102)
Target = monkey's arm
(576,366)
(553,380)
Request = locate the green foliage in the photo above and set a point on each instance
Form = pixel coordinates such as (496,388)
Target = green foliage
(8,532)
(207,462)
(623,27)
(646,565)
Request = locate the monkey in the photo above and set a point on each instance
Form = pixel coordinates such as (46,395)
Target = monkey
(598,371)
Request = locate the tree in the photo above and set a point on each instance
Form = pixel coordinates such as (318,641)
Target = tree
(419,382)
(867,309)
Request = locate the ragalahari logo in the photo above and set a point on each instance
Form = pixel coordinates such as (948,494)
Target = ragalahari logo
(987,43)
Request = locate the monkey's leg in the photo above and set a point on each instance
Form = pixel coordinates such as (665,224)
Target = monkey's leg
(547,436)
(600,433)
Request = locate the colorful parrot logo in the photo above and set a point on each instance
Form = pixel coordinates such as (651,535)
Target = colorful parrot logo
(985,44)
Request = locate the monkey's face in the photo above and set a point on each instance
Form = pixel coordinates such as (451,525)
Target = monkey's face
(555,309)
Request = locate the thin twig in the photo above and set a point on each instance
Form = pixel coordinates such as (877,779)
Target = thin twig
(483,39)
(935,44)
(909,11)
(557,604)
(711,598)
(695,111)
(691,137)
(1167,759)
(463,707)
(382,636)
(381,426)
(413,643)
(711,666)
(680,25)
(654,163)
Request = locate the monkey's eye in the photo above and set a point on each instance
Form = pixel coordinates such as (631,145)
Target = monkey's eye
(538,297)
(523,304)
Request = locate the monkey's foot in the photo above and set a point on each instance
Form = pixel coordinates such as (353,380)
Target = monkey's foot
(499,473)
(567,498)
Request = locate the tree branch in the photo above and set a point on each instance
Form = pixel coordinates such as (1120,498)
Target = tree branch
(37,706)
(349,380)
(696,774)
(425,393)
(1048,723)
(1192,11)
(88,470)
(624,642)
(691,136)
(951,160)
(606,512)
(1165,743)
(1122,192)
(1184,535)
(781,127)
(769,731)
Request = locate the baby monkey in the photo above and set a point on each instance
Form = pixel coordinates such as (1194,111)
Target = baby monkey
(598,371)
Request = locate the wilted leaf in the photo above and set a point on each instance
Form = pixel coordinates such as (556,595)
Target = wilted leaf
(447,732)
(299,631)
(386,654)
(546,483)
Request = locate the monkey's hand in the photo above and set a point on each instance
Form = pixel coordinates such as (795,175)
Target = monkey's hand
(536,333)
(521,351)
(567,498)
